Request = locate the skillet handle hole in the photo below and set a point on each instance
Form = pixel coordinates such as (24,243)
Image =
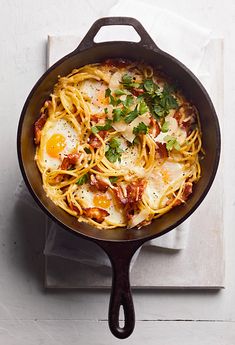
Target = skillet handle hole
(122,320)
(117,33)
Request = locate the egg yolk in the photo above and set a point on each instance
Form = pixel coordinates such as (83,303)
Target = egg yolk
(55,145)
(102,201)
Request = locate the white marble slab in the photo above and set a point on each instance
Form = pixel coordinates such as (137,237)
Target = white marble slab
(201,263)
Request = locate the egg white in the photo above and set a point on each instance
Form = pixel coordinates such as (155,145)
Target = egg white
(85,197)
(65,128)
(169,173)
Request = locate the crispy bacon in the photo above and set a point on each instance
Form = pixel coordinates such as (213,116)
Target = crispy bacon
(186,116)
(99,184)
(161,150)
(97,117)
(132,193)
(154,129)
(96,213)
(119,63)
(187,190)
(136,92)
(135,190)
(69,161)
(73,207)
(95,141)
(39,124)
(121,195)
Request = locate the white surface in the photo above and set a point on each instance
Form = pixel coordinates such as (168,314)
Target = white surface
(28,315)
(154,267)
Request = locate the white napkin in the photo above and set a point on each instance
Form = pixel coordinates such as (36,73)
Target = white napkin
(175,35)
(172,33)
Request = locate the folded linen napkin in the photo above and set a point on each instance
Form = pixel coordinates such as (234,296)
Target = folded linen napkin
(177,32)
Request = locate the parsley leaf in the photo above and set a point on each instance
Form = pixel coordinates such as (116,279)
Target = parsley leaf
(119,92)
(107,92)
(165,127)
(136,141)
(113,179)
(114,151)
(106,110)
(149,86)
(171,143)
(83,179)
(94,130)
(106,127)
(128,82)
(168,101)
(140,129)
(143,107)
(87,150)
(132,115)
(118,113)
(126,79)
(128,101)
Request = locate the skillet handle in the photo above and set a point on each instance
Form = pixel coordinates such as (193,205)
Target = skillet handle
(120,255)
(88,40)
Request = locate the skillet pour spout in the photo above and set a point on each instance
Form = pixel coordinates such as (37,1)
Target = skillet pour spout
(120,244)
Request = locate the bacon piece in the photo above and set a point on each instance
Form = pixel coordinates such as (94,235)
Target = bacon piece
(186,116)
(119,63)
(161,150)
(187,190)
(135,190)
(69,161)
(121,195)
(154,129)
(95,213)
(97,117)
(95,141)
(132,193)
(39,124)
(98,183)
(136,92)
(74,208)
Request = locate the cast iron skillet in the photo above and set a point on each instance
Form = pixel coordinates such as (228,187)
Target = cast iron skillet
(119,244)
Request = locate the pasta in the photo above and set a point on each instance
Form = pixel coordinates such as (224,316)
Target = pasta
(117,145)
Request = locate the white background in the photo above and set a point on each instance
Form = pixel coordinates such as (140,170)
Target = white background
(28,314)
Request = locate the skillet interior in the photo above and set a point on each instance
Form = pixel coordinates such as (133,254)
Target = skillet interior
(191,88)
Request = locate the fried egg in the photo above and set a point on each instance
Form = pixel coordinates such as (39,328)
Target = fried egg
(168,174)
(88,198)
(59,138)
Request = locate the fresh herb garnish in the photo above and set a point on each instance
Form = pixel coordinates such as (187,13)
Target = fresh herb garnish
(150,86)
(128,101)
(143,107)
(114,151)
(112,100)
(94,130)
(171,143)
(136,141)
(87,150)
(107,92)
(106,110)
(119,92)
(83,179)
(128,81)
(165,127)
(113,179)
(159,101)
(106,127)
(132,115)
(140,129)
(117,114)
(168,101)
